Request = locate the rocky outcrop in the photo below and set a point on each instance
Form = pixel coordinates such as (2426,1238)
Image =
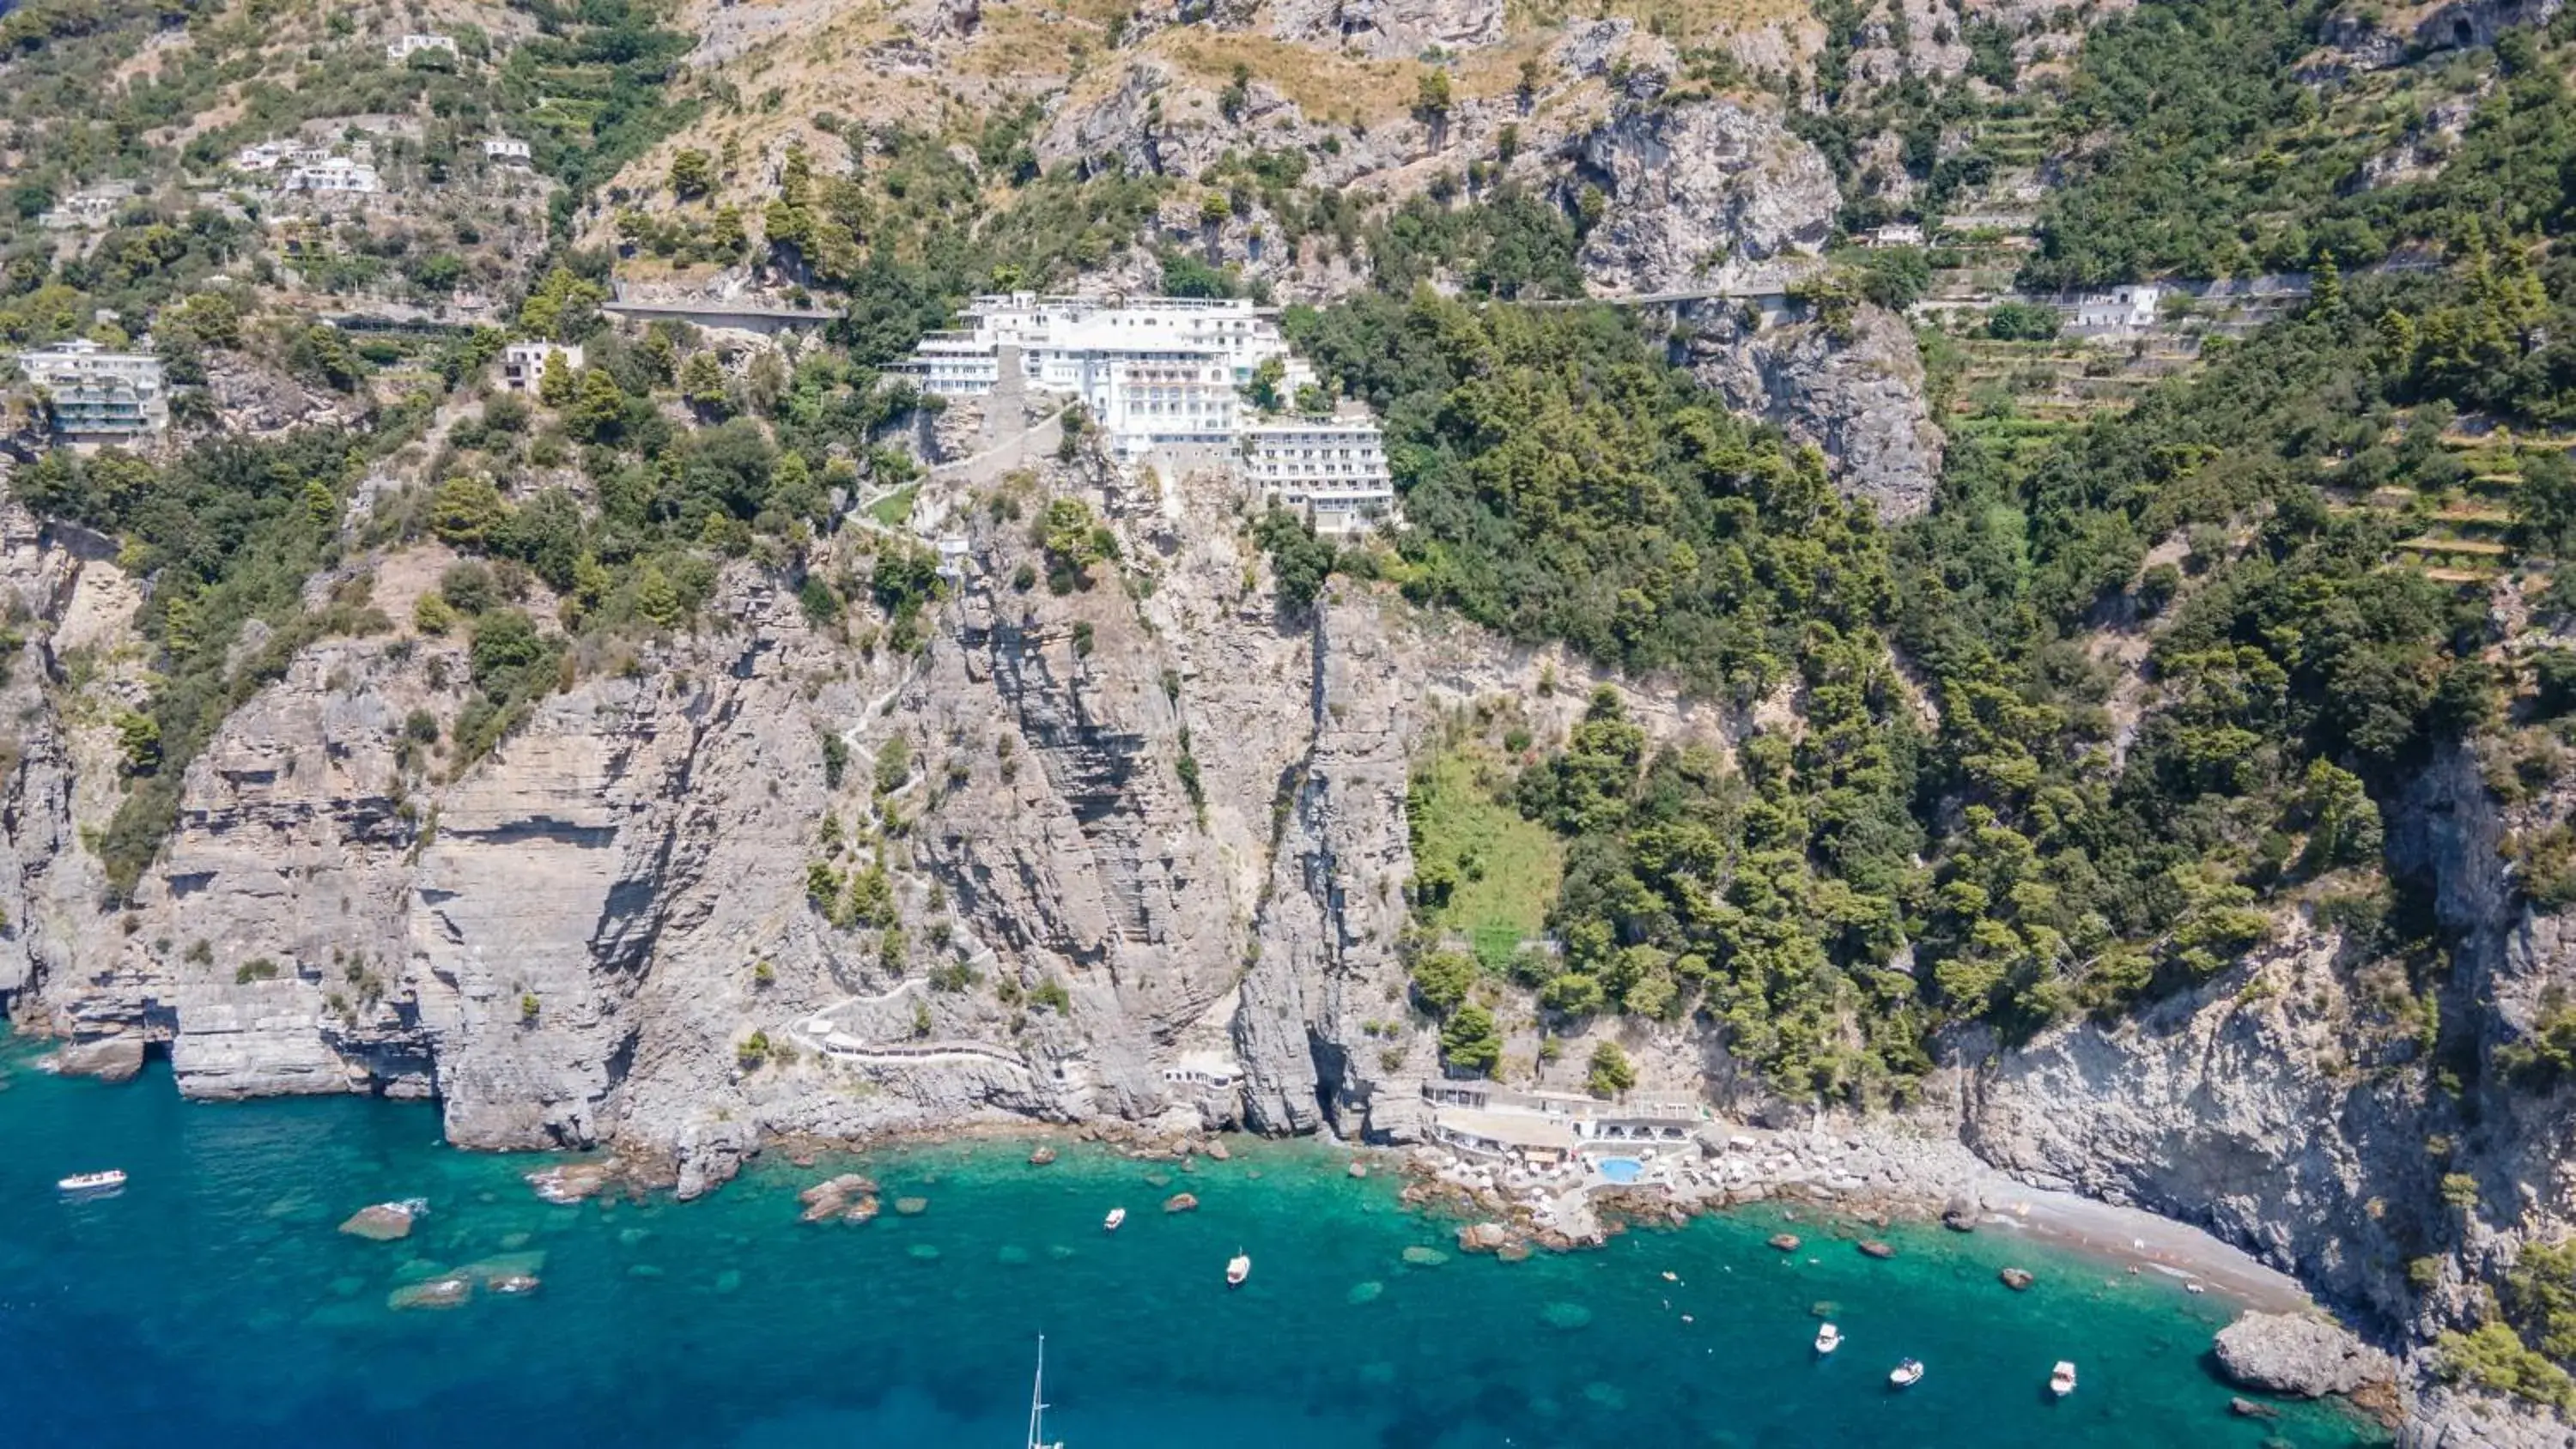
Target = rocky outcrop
(1390,29)
(1697,190)
(2468,24)
(2304,1357)
(1856,392)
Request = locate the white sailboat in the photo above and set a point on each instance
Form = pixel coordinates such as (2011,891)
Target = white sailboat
(1037,1404)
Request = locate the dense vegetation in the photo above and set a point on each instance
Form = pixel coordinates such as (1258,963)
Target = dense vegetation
(2204,154)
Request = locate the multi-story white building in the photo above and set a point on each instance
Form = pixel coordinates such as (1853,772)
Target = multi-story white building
(98,396)
(1169,377)
(403,48)
(1333,470)
(503,148)
(523,364)
(337,175)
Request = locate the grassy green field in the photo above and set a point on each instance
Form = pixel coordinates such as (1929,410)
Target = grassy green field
(1507,868)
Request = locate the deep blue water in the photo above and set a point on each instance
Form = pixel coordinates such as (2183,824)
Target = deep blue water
(213,1305)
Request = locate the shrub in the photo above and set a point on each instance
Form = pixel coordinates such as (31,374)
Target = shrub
(1611,1072)
(258,968)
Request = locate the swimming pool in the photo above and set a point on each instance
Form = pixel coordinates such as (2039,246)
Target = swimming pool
(1621,1170)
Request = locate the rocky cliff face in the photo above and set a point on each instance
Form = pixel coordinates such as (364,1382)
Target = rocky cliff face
(2324,1112)
(1698,191)
(1855,391)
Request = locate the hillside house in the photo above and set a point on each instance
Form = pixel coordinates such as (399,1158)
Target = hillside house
(93,395)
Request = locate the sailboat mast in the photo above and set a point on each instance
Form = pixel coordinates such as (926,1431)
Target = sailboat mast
(1037,1392)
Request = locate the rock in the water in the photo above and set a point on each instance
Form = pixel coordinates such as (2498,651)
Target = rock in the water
(2017,1279)
(1483,1237)
(513,1283)
(1422,1257)
(382,1223)
(2248,1409)
(1359,1169)
(1960,1215)
(1216,1152)
(2283,1353)
(1876,1249)
(1785,1242)
(863,1211)
(1179,1202)
(1042,1157)
(911,1207)
(110,1059)
(447,1292)
(572,1182)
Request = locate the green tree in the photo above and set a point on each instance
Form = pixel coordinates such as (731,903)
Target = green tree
(467,509)
(1611,1072)
(1470,1041)
(599,411)
(555,386)
(1442,979)
(692,174)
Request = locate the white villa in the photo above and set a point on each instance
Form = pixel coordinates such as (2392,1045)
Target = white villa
(403,48)
(98,396)
(269,155)
(523,364)
(2121,310)
(1164,377)
(338,175)
(88,210)
(504,148)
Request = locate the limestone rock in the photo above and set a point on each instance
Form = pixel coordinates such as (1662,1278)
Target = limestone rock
(2281,1353)
(1180,1202)
(1856,393)
(453,1291)
(2017,1279)
(1697,188)
(1390,29)
(383,1223)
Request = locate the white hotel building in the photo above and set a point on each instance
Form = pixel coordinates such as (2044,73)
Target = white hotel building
(1164,379)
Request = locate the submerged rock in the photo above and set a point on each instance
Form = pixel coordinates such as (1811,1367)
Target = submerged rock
(512,1284)
(2284,1353)
(1785,1242)
(1422,1257)
(1566,1315)
(1876,1249)
(911,1207)
(572,1182)
(831,1197)
(2248,1409)
(1365,1292)
(383,1223)
(1042,1157)
(448,1292)
(1180,1202)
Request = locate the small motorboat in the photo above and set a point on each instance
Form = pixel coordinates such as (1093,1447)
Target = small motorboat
(1238,1268)
(1110,1223)
(93,1184)
(1828,1338)
(2061,1379)
(1906,1374)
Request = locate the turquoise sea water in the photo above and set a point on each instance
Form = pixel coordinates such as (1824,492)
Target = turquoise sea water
(214,1305)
